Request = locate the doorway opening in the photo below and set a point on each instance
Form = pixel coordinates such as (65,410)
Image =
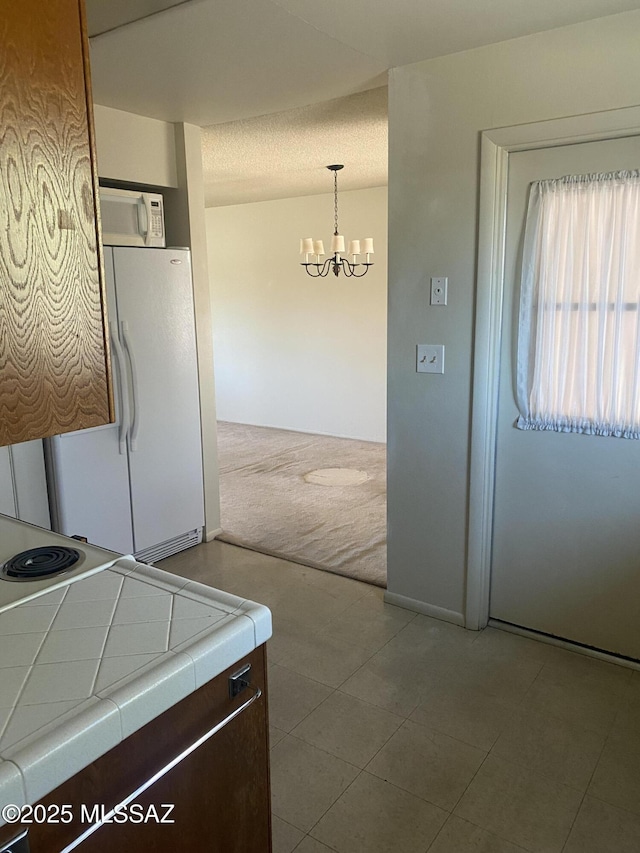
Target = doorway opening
(300,362)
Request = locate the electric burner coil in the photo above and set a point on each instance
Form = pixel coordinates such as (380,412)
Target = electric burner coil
(39,563)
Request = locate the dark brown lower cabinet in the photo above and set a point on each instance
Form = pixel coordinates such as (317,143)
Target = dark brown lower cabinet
(220,792)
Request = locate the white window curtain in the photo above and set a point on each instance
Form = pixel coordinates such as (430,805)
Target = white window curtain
(578,364)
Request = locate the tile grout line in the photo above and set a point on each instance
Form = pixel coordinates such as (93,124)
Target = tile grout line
(488,752)
(333,802)
(50,628)
(593,773)
(344,681)
(362,770)
(108,634)
(343,693)
(487,831)
(32,666)
(371,705)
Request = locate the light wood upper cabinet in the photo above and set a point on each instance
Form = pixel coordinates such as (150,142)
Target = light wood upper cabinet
(54,355)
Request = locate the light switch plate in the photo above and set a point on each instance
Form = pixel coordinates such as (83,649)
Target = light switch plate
(430,358)
(439,290)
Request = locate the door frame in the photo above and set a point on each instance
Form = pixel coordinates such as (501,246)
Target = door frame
(496,147)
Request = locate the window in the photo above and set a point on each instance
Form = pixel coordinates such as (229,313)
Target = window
(579,327)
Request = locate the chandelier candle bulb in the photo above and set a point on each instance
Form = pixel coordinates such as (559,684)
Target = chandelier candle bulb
(337,243)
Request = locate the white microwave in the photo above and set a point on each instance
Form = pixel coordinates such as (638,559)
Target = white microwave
(132,218)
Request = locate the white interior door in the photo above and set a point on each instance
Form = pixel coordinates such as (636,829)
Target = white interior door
(566,538)
(155,302)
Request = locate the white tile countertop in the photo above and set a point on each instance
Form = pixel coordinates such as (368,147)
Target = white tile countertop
(85,666)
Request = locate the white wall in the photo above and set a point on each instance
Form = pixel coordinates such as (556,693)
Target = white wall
(437,110)
(134,148)
(193,233)
(291,351)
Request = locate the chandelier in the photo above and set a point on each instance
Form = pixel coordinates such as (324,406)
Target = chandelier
(337,261)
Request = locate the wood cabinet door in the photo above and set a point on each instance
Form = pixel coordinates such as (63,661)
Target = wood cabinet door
(54,366)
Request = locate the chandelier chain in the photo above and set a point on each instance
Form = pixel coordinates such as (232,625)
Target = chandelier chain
(335,201)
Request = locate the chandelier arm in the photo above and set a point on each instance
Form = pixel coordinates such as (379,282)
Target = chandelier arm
(322,270)
(326,266)
(349,269)
(364,272)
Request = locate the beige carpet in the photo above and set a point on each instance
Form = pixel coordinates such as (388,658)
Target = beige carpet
(268,505)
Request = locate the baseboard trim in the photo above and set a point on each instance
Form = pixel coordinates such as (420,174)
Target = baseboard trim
(211,534)
(309,431)
(426,609)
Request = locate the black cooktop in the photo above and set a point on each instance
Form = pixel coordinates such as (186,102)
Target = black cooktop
(38,563)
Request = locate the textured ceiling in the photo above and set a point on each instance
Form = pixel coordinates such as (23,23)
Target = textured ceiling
(280,78)
(286,154)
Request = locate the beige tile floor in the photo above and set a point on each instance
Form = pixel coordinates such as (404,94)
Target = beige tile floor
(395,733)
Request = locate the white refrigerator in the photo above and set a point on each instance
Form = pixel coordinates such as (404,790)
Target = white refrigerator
(136,486)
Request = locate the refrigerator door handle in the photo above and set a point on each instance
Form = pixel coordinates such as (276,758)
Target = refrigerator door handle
(124,396)
(135,423)
(148,237)
(144,222)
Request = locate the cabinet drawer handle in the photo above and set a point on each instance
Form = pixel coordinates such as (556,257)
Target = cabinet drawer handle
(145,785)
(19,844)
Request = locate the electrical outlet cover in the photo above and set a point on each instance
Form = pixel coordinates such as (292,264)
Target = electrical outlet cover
(439,290)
